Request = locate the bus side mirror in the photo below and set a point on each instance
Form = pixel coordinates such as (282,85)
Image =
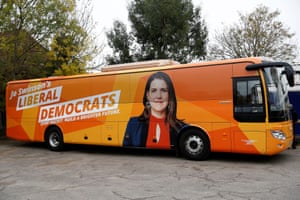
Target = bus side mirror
(289,72)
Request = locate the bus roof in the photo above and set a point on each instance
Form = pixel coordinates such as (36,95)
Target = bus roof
(145,66)
(138,65)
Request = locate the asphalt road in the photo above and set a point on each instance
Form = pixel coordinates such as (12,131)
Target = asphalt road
(29,171)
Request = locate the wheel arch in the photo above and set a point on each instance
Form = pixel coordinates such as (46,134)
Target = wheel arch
(50,127)
(188,128)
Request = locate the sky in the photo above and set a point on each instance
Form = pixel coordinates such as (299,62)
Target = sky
(216,13)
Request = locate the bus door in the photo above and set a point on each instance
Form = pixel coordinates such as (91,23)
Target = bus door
(249,111)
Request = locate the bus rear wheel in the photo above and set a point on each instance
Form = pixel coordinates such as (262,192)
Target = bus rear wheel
(54,139)
(194,145)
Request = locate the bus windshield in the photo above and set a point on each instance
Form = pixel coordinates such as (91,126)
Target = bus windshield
(277,91)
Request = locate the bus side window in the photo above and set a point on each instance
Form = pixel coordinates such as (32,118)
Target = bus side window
(248,100)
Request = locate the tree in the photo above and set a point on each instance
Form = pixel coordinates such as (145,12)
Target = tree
(120,41)
(73,45)
(162,29)
(258,33)
(26,27)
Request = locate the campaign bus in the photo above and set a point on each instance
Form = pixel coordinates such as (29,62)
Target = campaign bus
(236,105)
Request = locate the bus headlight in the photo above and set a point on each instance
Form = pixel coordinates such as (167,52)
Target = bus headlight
(278,134)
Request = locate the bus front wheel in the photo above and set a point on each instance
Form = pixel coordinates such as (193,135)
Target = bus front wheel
(54,139)
(194,145)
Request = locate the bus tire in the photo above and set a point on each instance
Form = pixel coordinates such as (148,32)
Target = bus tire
(54,139)
(194,145)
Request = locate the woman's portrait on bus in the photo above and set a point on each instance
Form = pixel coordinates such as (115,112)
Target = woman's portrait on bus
(157,125)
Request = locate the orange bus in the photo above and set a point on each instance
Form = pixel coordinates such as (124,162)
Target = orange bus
(237,105)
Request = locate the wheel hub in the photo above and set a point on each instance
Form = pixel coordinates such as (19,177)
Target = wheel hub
(54,140)
(194,145)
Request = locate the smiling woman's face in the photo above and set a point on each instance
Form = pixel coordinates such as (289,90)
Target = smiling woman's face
(158,97)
